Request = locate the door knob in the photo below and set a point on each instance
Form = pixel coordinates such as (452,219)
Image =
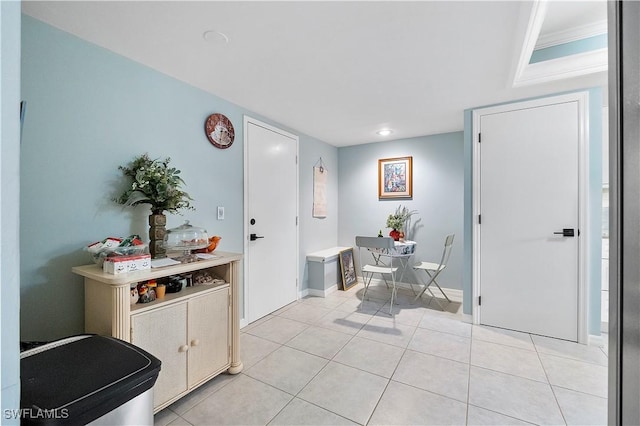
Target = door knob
(253,237)
(566,232)
(195,342)
(183,348)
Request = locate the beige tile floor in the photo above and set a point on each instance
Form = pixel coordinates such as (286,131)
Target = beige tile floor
(337,360)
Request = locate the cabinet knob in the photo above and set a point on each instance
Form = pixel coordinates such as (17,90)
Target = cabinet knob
(195,342)
(183,348)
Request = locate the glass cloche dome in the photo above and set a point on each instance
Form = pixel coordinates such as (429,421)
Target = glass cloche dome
(186,237)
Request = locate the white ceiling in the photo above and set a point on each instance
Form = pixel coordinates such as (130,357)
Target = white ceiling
(571,15)
(336,71)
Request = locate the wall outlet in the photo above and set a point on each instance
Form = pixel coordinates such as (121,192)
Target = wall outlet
(220,213)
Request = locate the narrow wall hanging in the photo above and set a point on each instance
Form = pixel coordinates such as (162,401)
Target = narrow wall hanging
(320,173)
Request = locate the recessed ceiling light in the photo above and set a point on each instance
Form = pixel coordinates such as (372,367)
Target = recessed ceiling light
(384,132)
(215,36)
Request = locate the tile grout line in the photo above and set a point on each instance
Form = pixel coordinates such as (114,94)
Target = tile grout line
(318,373)
(294,396)
(469,377)
(553,392)
(390,378)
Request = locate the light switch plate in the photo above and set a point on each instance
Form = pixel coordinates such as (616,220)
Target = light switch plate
(220,213)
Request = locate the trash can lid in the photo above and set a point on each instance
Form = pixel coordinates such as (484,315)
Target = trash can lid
(84,377)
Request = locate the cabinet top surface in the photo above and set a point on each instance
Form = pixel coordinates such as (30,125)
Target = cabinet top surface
(95,272)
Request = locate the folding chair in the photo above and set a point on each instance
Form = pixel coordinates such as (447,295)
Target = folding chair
(433,270)
(381,247)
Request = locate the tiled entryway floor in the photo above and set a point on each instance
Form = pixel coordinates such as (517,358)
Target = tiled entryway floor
(331,361)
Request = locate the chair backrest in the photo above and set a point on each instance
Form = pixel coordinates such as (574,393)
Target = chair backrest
(372,243)
(375,242)
(448,242)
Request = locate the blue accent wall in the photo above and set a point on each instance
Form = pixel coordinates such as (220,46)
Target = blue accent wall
(9,212)
(91,110)
(567,49)
(438,188)
(594,278)
(317,233)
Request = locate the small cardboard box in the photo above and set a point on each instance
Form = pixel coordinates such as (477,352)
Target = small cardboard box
(123,264)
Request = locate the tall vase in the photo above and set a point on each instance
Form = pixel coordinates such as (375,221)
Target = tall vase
(157,229)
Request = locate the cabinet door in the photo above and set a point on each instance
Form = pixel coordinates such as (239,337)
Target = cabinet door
(208,335)
(163,333)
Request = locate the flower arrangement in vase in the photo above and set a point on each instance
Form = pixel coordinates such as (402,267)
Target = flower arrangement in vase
(154,182)
(398,221)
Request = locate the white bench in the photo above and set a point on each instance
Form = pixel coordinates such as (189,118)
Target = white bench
(324,271)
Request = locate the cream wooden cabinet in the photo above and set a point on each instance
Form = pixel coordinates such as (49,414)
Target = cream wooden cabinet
(191,338)
(163,333)
(195,332)
(208,332)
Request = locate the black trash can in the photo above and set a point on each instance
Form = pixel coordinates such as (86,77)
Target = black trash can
(87,379)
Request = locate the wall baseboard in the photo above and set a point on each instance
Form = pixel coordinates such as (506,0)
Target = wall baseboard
(604,327)
(318,293)
(468,318)
(600,340)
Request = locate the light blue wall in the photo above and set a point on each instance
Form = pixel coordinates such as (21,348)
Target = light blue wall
(595,211)
(90,111)
(438,185)
(10,197)
(567,49)
(317,233)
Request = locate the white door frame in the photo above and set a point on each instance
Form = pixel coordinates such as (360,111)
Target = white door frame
(245,294)
(583,199)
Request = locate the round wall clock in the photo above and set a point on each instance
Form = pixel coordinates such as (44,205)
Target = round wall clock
(219,131)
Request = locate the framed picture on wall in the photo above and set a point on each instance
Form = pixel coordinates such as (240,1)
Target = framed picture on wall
(347,269)
(395,177)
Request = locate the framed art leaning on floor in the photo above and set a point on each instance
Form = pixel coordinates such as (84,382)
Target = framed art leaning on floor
(347,269)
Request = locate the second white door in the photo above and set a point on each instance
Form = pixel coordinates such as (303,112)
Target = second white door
(530,226)
(272,219)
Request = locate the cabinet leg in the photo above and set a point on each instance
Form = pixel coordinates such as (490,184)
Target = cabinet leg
(235,368)
(236,365)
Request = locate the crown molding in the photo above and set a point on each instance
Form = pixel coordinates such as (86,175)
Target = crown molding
(565,67)
(571,34)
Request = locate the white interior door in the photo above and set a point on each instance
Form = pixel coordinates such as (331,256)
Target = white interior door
(529,271)
(271,214)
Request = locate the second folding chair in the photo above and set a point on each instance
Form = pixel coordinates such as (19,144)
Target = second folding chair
(433,270)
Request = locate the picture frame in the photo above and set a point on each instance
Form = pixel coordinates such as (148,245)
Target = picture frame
(395,178)
(347,269)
